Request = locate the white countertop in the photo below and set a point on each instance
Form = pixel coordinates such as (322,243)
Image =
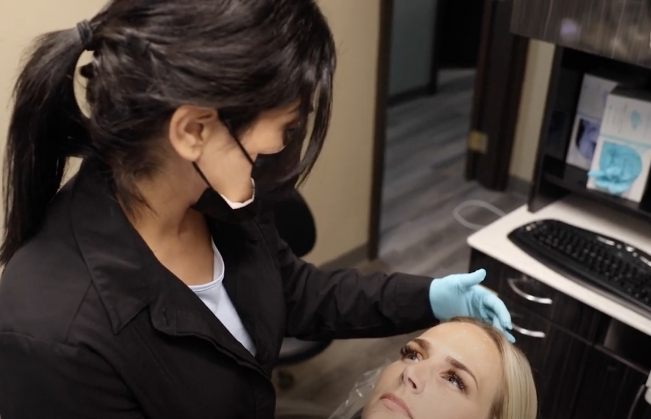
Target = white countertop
(492,240)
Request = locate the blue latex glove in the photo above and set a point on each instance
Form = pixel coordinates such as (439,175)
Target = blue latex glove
(460,295)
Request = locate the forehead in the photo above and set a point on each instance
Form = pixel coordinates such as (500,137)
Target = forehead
(469,344)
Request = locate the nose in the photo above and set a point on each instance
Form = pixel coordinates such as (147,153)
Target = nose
(414,378)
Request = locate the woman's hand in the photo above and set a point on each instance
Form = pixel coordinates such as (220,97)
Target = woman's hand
(461,295)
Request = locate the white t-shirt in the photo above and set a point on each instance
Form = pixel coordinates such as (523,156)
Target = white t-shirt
(214,296)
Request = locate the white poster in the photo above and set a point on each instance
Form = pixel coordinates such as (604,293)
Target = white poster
(623,153)
(590,110)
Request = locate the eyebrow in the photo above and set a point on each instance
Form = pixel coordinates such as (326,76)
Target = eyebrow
(452,361)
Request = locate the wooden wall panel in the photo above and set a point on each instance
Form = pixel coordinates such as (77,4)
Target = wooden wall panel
(618,29)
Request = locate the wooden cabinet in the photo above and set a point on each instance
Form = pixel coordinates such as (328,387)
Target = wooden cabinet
(576,376)
(611,388)
(556,357)
(614,29)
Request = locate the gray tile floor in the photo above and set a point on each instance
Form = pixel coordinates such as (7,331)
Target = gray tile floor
(423,183)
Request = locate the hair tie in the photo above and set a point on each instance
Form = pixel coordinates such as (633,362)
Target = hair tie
(85,34)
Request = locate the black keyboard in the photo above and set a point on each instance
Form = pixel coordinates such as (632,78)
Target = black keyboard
(597,259)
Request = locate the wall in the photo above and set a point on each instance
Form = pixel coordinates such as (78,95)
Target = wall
(339,189)
(412,38)
(20,23)
(532,109)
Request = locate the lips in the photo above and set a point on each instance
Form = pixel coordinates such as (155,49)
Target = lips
(395,403)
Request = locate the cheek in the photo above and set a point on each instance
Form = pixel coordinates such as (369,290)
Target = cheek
(434,402)
(437,402)
(263,140)
(389,379)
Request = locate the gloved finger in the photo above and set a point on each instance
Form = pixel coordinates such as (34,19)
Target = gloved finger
(496,323)
(466,281)
(497,306)
(508,336)
(498,326)
(495,320)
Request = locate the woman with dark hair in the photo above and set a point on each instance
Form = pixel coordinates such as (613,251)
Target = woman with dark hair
(154,283)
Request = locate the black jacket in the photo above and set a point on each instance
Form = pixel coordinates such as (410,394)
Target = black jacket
(93,326)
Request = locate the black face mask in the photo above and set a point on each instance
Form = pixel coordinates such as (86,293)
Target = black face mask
(273,181)
(213,205)
(267,184)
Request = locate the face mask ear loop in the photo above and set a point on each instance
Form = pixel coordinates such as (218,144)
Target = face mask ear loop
(237,141)
(246,153)
(205,179)
(239,144)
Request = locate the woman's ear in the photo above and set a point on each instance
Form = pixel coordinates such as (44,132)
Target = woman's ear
(190,128)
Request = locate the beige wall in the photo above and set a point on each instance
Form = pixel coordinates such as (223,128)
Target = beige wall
(339,189)
(532,108)
(20,23)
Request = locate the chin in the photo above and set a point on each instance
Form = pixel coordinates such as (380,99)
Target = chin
(376,411)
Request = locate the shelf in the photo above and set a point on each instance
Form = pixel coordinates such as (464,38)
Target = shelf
(575,183)
(554,178)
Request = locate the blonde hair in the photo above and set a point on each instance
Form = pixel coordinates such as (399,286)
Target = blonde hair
(518,398)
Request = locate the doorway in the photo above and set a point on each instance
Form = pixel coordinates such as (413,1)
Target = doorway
(434,63)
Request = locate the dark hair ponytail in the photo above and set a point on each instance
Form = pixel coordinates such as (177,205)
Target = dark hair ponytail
(240,57)
(45,125)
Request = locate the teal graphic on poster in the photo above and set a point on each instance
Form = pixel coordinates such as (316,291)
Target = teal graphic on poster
(619,166)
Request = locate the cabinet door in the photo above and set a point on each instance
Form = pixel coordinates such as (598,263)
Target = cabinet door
(541,299)
(610,389)
(553,305)
(556,357)
(493,268)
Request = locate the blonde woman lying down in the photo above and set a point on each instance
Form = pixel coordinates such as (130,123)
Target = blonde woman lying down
(460,369)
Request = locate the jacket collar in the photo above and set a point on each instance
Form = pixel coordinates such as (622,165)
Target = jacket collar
(118,260)
(128,277)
